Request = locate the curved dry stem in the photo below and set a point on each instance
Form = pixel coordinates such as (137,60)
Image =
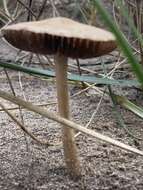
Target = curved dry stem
(67,123)
(29,133)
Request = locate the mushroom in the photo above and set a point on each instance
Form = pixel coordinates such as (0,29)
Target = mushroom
(63,38)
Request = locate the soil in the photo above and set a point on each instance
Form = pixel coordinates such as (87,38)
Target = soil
(26,165)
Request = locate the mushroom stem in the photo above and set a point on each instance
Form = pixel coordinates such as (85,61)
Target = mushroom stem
(70,150)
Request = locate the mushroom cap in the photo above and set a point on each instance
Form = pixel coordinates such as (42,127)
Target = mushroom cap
(60,35)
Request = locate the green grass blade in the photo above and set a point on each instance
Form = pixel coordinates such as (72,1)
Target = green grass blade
(118,115)
(123,101)
(124,11)
(122,41)
(73,77)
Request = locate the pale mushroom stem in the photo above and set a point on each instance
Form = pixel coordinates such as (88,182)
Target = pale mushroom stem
(70,149)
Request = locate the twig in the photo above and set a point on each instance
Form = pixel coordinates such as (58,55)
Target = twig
(87,88)
(12,89)
(15,12)
(20,82)
(5,15)
(25,128)
(40,61)
(55,11)
(9,81)
(19,1)
(6,8)
(80,72)
(92,116)
(41,9)
(42,105)
(51,63)
(29,13)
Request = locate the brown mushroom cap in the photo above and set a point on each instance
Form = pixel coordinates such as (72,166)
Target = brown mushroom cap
(60,35)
